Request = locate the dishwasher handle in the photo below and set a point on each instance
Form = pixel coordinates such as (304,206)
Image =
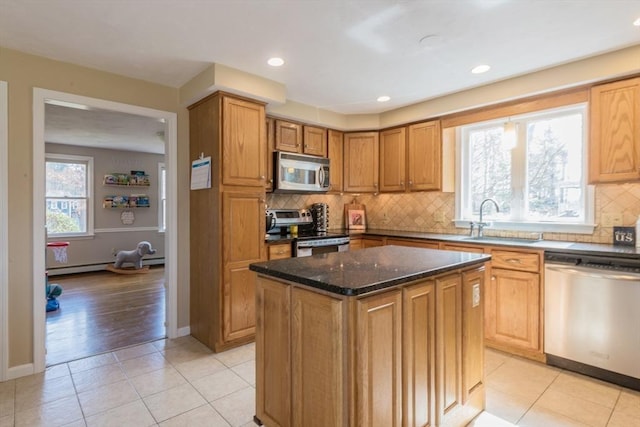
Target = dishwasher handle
(592,272)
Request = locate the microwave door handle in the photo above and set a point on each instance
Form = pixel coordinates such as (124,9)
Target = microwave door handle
(320,176)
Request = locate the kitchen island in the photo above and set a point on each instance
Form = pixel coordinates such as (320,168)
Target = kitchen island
(385,336)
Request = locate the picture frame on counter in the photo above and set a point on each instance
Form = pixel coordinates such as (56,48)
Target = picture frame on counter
(624,236)
(355,217)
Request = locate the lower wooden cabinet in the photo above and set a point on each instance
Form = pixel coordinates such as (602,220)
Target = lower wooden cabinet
(412,243)
(279,251)
(405,357)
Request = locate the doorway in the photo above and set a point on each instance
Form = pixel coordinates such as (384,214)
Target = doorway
(42,97)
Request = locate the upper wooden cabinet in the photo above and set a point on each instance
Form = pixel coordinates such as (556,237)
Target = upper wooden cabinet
(271,146)
(614,153)
(244,151)
(288,136)
(361,152)
(335,146)
(424,158)
(297,138)
(315,141)
(393,159)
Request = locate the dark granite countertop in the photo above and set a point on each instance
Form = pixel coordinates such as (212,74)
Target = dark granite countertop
(367,270)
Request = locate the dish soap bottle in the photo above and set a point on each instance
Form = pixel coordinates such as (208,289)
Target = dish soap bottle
(638,232)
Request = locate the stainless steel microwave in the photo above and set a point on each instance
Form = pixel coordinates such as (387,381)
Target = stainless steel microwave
(299,173)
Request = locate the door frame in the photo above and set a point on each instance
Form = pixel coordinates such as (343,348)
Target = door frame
(40,97)
(4,232)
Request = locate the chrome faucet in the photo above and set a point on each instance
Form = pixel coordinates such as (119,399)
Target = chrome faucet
(482,224)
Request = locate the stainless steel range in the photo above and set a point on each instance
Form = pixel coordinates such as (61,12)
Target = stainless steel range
(307,241)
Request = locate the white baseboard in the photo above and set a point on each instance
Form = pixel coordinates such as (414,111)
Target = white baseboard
(94,267)
(184,331)
(20,371)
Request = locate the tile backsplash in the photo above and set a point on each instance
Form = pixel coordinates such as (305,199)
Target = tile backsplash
(615,205)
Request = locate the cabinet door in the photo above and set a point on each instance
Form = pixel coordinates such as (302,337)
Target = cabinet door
(244,150)
(315,141)
(336,157)
(472,333)
(273,353)
(413,243)
(378,360)
(288,136)
(462,248)
(448,347)
(370,242)
(243,244)
(418,304)
(280,251)
(513,309)
(318,357)
(614,153)
(361,162)
(393,154)
(425,156)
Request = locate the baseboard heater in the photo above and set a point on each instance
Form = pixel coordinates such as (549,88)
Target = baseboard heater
(86,268)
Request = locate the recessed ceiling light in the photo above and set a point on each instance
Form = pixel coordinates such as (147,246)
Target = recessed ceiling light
(637,22)
(275,62)
(384,98)
(480,69)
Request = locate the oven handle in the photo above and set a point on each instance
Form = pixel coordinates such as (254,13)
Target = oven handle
(591,272)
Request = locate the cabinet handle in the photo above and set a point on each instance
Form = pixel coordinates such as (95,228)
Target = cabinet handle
(493,277)
(514,260)
(261,200)
(410,183)
(262,177)
(306,145)
(297,144)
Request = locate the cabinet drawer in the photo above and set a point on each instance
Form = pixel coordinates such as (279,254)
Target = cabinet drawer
(525,261)
(279,251)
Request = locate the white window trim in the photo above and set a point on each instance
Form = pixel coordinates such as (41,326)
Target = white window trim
(161,189)
(90,201)
(585,227)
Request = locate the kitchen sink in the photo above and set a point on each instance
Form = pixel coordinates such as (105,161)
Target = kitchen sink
(503,240)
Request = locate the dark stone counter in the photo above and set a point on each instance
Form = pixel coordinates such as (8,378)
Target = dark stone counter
(367,270)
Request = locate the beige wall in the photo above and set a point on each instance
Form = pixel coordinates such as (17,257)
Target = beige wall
(24,72)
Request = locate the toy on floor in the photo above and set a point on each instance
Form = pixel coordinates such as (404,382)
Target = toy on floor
(132,257)
(52,292)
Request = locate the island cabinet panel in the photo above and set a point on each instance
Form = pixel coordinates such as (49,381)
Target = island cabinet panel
(318,356)
(419,354)
(273,347)
(378,367)
(473,334)
(614,147)
(449,347)
(361,162)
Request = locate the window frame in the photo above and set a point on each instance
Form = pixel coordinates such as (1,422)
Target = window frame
(72,158)
(463,214)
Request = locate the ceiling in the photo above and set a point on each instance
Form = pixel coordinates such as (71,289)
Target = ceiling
(340,55)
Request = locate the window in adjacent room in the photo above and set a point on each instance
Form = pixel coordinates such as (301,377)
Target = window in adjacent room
(69,184)
(162,197)
(533,165)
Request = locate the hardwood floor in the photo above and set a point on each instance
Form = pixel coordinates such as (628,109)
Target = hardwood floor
(104,311)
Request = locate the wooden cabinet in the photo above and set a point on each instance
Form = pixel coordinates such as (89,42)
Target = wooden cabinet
(271,146)
(334,149)
(361,153)
(378,366)
(419,359)
(298,138)
(464,248)
(288,136)
(315,141)
(393,153)
(226,220)
(363,242)
(513,320)
(411,356)
(412,243)
(614,146)
(424,159)
(279,251)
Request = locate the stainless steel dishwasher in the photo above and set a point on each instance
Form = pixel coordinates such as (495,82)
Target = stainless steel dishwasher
(592,315)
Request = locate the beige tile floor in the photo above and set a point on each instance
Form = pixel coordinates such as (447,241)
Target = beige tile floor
(181,383)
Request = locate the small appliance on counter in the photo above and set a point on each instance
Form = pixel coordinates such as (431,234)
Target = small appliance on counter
(320,214)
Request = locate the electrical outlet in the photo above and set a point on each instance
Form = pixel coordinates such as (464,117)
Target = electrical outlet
(385,218)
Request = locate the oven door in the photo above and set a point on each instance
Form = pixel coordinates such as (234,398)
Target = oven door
(315,247)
